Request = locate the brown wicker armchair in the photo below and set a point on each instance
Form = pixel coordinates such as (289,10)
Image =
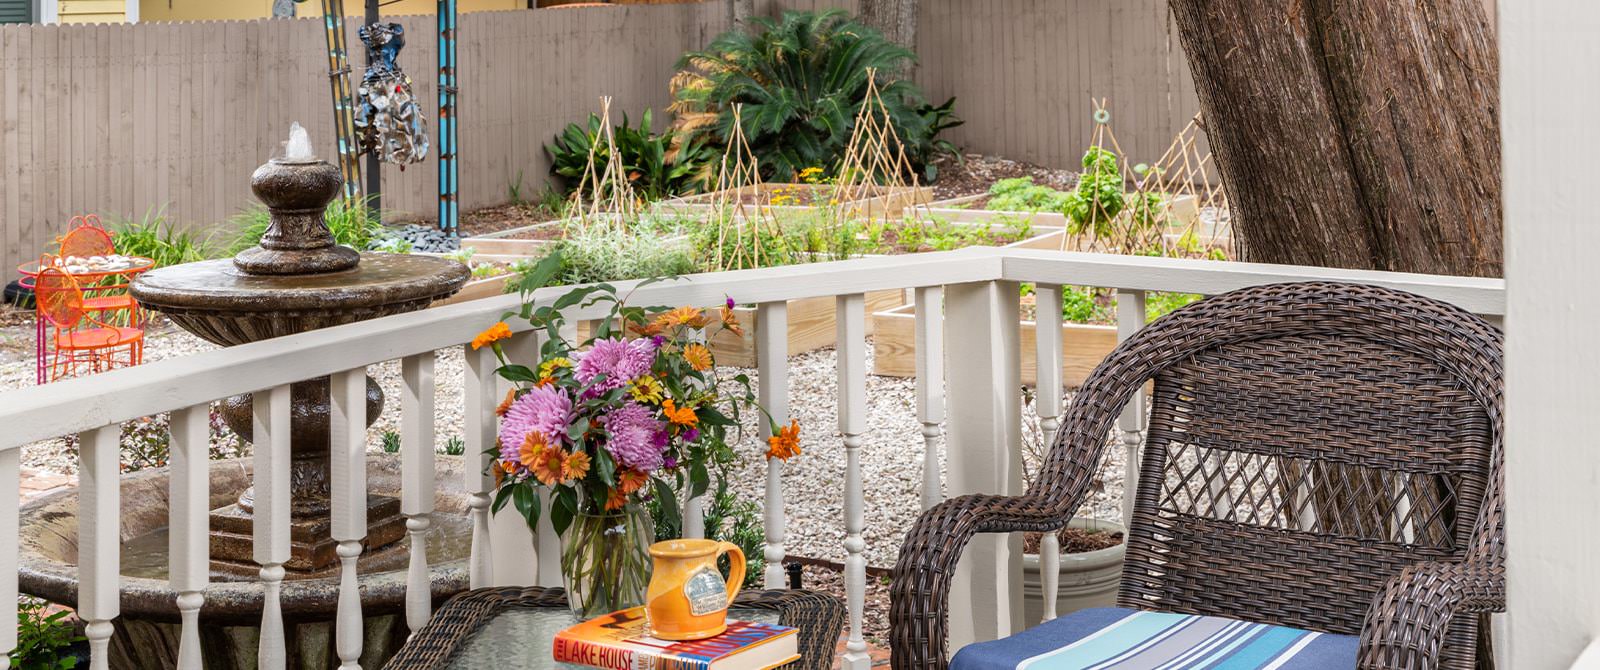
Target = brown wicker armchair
(1323,456)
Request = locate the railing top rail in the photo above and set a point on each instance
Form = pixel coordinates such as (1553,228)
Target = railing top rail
(76,405)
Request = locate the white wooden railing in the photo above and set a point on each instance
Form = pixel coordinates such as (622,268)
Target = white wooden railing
(971,400)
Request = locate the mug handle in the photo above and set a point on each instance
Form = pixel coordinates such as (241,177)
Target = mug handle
(735,568)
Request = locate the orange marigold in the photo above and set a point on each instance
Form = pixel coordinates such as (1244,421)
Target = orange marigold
(681,416)
(495,333)
(786,444)
(575,466)
(505,405)
(699,357)
(682,316)
(631,480)
(730,320)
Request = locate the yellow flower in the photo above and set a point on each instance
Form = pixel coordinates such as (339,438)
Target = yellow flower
(646,389)
(575,466)
(786,444)
(682,316)
(699,357)
(548,368)
(495,333)
(683,416)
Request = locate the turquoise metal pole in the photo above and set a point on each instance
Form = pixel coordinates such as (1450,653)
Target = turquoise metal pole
(449,215)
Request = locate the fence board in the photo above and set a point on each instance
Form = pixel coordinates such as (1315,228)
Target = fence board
(124,119)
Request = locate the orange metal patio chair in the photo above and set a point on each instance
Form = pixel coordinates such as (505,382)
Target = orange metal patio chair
(78,342)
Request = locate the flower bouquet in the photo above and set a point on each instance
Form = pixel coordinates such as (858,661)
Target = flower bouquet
(600,427)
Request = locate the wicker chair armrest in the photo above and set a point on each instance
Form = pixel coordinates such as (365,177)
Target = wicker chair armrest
(919,591)
(1411,615)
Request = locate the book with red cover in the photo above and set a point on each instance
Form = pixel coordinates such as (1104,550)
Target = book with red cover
(620,641)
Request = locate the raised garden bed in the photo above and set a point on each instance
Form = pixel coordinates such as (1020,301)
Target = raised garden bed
(1083,346)
(876,202)
(529,241)
(812,326)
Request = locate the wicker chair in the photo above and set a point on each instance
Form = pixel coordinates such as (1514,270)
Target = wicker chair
(1323,456)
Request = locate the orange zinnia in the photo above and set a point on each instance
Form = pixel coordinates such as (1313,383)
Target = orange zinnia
(575,465)
(533,448)
(505,405)
(495,333)
(786,444)
(551,466)
(682,316)
(682,416)
(617,500)
(498,470)
(730,320)
(699,357)
(631,480)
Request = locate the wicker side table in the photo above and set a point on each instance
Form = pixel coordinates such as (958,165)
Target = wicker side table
(819,617)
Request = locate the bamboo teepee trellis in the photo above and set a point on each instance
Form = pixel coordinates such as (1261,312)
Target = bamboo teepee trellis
(612,202)
(740,206)
(875,167)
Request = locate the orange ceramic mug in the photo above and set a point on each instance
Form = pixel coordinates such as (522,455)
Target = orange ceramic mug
(687,598)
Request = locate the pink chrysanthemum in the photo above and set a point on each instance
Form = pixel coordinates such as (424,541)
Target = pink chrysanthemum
(635,437)
(618,360)
(545,409)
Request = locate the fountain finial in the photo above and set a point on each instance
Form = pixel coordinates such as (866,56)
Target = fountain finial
(296,190)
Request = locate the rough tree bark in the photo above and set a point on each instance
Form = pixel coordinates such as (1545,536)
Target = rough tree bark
(1353,133)
(896,19)
(740,12)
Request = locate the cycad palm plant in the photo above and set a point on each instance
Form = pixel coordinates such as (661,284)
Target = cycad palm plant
(801,80)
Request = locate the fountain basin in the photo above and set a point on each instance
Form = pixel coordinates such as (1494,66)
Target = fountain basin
(147,632)
(227,306)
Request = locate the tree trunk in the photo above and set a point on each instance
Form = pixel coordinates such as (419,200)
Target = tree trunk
(1353,133)
(896,19)
(740,12)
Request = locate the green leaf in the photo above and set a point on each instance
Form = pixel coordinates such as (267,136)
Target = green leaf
(564,508)
(699,479)
(517,373)
(668,501)
(527,502)
(605,468)
(502,497)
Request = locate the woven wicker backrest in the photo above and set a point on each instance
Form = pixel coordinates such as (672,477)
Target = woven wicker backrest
(1306,442)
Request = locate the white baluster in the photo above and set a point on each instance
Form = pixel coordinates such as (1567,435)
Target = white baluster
(10,491)
(518,556)
(852,351)
(187,542)
(983,445)
(1047,402)
(929,342)
(416,480)
(772,364)
(693,513)
(478,438)
(347,423)
(1130,318)
(270,524)
(99,539)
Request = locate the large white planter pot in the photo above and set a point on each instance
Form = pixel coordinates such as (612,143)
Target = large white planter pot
(1088,579)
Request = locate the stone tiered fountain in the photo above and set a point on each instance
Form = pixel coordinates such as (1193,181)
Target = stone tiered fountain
(297,280)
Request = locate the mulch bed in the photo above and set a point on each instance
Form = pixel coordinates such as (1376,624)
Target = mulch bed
(1074,540)
(503,217)
(974,173)
(552,232)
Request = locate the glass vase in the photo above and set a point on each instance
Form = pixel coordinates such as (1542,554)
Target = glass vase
(605,560)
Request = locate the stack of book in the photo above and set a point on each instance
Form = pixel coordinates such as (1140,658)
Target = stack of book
(621,641)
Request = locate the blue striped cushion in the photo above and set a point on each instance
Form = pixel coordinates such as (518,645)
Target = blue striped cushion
(1113,637)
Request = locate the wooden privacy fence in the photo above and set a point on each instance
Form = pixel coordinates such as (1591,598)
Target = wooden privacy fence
(123,119)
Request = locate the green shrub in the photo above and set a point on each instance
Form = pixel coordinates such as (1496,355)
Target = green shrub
(1020,194)
(44,641)
(155,238)
(349,221)
(801,80)
(656,166)
(603,253)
